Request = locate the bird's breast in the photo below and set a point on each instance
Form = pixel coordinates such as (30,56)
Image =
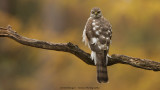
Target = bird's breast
(96,27)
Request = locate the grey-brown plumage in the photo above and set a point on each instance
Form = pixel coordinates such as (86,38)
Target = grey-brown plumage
(97,34)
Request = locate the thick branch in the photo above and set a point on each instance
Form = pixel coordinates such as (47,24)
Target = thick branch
(74,49)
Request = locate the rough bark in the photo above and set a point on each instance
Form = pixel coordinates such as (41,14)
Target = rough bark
(75,50)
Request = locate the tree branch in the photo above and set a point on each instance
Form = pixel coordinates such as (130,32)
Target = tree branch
(75,50)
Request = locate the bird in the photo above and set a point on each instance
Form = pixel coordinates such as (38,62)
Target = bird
(97,35)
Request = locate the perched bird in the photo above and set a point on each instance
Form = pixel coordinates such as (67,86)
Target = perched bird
(97,35)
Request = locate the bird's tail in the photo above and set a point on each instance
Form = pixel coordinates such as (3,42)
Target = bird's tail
(102,75)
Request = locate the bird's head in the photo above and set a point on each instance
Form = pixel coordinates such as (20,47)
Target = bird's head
(96,13)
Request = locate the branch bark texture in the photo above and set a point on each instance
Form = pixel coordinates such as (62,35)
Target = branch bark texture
(75,50)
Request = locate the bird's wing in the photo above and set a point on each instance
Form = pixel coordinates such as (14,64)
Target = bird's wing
(87,32)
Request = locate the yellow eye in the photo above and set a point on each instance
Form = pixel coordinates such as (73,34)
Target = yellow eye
(92,12)
(98,12)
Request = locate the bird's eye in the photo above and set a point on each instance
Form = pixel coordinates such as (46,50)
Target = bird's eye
(92,12)
(98,12)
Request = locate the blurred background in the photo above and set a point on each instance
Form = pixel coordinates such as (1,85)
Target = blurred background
(136,32)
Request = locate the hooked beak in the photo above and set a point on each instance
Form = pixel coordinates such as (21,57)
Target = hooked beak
(96,13)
